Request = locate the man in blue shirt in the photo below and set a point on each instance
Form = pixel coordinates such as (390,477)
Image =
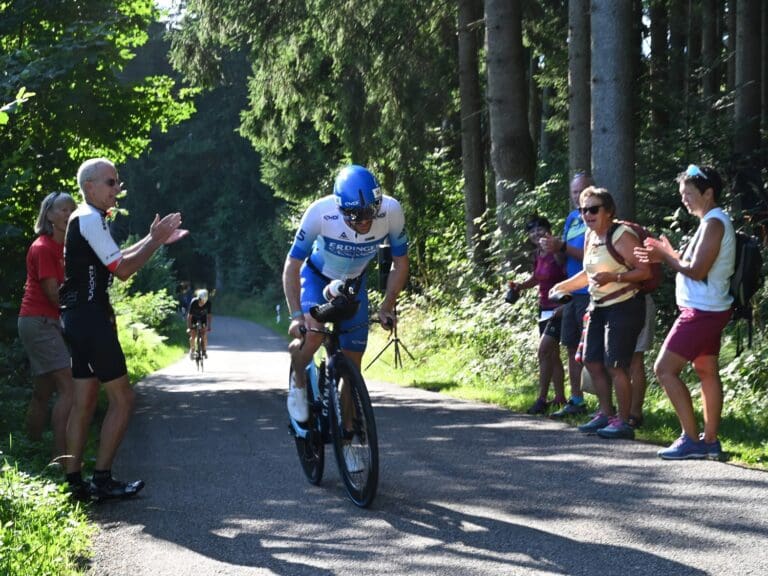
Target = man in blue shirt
(571,244)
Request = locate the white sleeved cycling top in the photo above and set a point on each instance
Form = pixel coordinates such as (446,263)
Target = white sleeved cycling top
(335,249)
(91,256)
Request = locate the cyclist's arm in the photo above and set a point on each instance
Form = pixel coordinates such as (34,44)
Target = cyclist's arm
(209,323)
(396,280)
(292,290)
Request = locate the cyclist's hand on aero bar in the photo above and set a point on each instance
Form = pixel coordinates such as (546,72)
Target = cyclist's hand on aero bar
(297,328)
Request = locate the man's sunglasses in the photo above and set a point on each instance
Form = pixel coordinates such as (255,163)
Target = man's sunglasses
(591,209)
(111,182)
(694,171)
(354,215)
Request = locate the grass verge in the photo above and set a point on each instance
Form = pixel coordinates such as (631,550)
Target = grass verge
(41,530)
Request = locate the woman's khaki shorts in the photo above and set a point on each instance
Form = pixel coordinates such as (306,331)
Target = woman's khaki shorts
(44,343)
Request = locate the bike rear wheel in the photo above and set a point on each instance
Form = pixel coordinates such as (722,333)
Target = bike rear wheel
(361,439)
(310,448)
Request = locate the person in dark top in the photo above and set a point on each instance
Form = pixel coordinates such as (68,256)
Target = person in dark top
(548,270)
(199,314)
(91,258)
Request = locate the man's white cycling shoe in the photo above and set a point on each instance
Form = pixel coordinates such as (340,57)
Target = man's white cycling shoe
(297,403)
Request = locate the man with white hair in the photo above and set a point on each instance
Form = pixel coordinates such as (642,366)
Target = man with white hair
(91,258)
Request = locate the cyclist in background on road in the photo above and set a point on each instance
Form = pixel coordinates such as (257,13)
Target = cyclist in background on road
(338,236)
(199,312)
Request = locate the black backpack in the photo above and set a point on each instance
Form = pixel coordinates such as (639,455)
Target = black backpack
(746,280)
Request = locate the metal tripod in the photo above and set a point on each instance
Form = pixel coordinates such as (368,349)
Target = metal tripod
(393,340)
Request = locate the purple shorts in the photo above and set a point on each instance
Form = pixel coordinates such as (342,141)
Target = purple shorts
(697,333)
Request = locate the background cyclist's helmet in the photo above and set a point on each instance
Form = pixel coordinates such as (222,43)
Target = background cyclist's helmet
(358,194)
(202,295)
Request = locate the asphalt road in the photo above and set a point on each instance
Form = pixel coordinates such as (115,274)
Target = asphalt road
(465,489)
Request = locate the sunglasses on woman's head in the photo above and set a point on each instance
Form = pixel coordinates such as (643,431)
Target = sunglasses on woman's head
(694,171)
(591,209)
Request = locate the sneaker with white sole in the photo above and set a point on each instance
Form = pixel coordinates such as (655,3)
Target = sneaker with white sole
(713,450)
(684,448)
(353,457)
(297,404)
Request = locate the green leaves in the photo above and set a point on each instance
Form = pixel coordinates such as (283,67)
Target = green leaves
(21,96)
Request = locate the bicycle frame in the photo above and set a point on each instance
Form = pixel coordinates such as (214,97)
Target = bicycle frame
(352,434)
(320,375)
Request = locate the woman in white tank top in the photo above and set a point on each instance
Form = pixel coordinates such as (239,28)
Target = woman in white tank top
(703,273)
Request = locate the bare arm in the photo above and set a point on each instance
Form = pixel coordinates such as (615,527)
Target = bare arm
(135,256)
(704,254)
(398,276)
(292,290)
(50,288)
(638,270)
(557,246)
(573,283)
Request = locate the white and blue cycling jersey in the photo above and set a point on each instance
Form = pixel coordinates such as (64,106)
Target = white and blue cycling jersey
(339,252)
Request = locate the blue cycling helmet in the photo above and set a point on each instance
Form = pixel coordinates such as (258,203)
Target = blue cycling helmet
(357,193)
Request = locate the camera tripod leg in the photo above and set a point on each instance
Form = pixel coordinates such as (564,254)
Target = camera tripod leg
(393,340)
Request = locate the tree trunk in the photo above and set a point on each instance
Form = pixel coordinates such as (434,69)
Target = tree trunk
(693,63)
(579,130)
(764,75)
(748,69)
(511,147)
(747,183)
(613,147)
(472,153)
(677,27)
(731,43)
(545,137)
(710,52)
(534,102)
(659,68)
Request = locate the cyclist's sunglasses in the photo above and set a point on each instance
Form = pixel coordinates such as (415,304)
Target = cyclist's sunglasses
(694,171)
(354,215)
(591,209)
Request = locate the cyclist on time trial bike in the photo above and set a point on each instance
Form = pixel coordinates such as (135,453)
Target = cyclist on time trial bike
(338,236)
(199,312)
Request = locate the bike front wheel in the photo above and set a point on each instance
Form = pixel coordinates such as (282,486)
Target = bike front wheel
(310,447)
(355,442)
